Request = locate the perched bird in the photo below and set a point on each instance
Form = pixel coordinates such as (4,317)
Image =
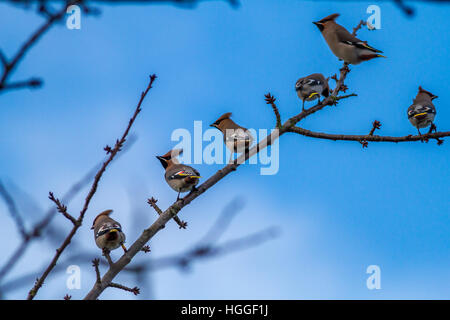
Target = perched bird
(343,44)
(180,177)
(311,87)
(236,138)
(422,112)
(108,232)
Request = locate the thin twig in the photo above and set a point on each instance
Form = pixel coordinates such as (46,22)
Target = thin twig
(9,66)
(95,264)
(271,100)
(108,257)
(152,202)
(134,290)
(375,125)
(62,208)
(359,26)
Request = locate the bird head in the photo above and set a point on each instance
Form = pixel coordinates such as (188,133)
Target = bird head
(217,123)
(167,159)
(432,96)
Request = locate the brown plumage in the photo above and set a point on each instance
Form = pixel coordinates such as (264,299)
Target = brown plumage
(422,112)
(236,138)
(108,233)
(179,177)
(343,44)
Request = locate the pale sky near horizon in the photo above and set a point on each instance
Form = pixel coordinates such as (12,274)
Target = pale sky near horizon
(340,208)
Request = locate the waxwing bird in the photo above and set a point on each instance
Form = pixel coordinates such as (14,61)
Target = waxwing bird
(179,177)
(236,138)
(343,44)
(311,87)
(422,112)
(108,232)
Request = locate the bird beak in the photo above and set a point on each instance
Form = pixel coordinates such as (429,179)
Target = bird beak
(163,161)
(213,125)
(420,114)
(434,97)
(319,25)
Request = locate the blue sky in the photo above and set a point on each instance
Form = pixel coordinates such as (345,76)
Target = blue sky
(340,208)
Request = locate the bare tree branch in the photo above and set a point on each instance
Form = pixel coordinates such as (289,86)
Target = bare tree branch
(95,264)
(173,210)
(13,211)
(187,257)
(359,26)
(98,176)
(39,227)
(368,137)
(10,66)
(271,100)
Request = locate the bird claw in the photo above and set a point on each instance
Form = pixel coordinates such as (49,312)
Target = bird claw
(432,128)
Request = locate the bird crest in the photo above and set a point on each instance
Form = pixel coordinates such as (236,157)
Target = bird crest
(222,117)
(104,213)
(331,17)
(422,90)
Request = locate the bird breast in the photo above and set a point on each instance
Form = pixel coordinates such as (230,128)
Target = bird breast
(183,185)
(110,240)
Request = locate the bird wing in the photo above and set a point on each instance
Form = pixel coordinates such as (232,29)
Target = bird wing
(181,172)
(346,37)
(416,109)
(239,135)
(308,82)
